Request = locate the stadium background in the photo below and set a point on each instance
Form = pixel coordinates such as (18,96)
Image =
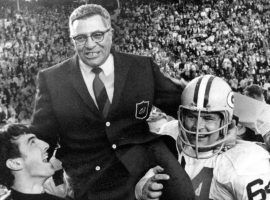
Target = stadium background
(228,38)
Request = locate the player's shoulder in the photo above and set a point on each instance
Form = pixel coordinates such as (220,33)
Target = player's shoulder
(245,158)
(246,152)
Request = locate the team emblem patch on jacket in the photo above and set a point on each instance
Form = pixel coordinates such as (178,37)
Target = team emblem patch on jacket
(142,110)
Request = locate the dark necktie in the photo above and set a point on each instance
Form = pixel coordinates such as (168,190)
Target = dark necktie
(100,93)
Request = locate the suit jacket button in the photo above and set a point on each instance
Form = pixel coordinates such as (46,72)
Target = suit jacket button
(97,168)
(108,124)
(114,146)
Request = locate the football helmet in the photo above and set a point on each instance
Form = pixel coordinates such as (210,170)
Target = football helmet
(205,94)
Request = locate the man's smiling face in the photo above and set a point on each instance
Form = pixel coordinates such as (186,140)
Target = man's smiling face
(34,156)
(92,53)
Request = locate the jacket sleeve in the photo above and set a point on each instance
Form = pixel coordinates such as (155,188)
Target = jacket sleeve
(167,93)
(44,122)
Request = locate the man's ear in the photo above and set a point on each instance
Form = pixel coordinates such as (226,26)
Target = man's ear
(72,42)
(112,32)
(14,164)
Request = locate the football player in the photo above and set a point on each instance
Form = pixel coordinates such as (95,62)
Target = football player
(219,166)
(24,164)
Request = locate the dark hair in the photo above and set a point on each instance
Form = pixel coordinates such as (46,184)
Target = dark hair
(9,149)
(254,91)
(88,10)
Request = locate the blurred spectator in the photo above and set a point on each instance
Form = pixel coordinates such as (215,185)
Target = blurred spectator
(266,88)
(254,91)
(229,39)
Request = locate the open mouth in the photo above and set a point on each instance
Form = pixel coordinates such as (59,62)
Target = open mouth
(45,158)
(91,54)
(203,136)
(199,136)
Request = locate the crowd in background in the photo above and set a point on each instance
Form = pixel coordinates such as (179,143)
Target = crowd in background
(35,38)
(229,39)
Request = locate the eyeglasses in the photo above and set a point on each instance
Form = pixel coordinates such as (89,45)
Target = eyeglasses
(96,37)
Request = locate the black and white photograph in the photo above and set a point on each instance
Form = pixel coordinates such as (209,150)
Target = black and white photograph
(134,100)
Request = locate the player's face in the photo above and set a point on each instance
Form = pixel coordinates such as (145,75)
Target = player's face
(92,53)
(205,123)
(34,156)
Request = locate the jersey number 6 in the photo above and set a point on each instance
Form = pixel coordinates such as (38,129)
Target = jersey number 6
(263,191)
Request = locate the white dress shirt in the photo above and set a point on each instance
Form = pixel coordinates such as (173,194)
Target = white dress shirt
(107,77)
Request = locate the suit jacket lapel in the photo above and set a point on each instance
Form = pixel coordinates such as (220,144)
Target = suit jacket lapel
(120,74)
(78,83)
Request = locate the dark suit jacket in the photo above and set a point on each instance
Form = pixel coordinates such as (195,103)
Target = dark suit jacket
(64,109)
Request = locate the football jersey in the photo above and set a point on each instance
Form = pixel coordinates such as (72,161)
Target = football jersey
(242,173)
(200,172)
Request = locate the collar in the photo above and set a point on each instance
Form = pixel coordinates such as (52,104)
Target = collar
(107,66)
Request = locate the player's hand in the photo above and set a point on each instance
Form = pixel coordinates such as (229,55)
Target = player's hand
(149,187)
(181,82)
(4,193)
(56,163)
